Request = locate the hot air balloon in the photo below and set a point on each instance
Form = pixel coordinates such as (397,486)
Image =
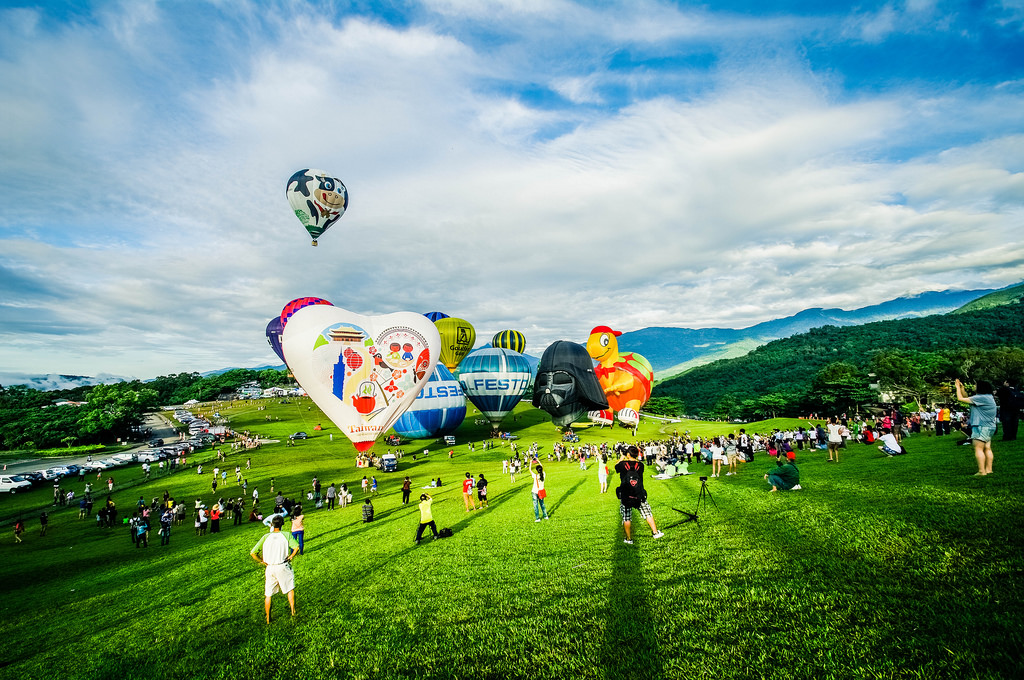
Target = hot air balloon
(495,379)
(274,330)
(626,378)
(438,410)
(318,200)
(297,304)
(362,371)
(601,418)
(566,386)
(434,316)
(457,338)
(513,340)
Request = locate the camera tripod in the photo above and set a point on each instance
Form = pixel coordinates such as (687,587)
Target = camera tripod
(702,504)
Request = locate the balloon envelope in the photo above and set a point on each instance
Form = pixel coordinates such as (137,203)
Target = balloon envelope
(566,386)
(297,304)
(434,316)
(438,410)
(495,379)
(457,338)
(362,371)
(274,330)
(318,200)
(510,339)
(601,417)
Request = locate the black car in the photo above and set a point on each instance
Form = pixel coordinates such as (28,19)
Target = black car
(298,435)
(156,443)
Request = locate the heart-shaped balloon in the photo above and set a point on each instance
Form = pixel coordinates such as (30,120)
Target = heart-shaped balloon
(362,371)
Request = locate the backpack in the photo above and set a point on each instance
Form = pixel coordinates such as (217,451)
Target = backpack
(631,491)
(444,533)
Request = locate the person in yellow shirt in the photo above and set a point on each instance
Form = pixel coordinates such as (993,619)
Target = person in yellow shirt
(426,518)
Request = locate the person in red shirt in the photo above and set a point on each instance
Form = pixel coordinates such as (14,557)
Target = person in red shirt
(467,492)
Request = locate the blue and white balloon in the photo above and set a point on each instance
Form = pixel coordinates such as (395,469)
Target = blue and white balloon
(438,410)
(495,379)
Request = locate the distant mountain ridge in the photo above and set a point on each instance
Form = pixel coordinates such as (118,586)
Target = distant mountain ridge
(673,350)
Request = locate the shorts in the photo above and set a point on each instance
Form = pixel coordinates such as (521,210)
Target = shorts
(834,446)
(983,433)
(731,457)
(627,513)
(280,579)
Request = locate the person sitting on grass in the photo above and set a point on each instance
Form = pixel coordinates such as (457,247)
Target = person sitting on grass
(890,446)
(785,476)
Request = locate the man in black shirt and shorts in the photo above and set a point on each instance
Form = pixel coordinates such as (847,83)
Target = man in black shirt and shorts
(632,495)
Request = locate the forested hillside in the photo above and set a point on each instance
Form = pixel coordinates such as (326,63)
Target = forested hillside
(839,368)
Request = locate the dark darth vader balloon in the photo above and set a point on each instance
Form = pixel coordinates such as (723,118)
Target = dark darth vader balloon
(566,386)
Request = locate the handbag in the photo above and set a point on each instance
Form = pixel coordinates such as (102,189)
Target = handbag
(542,494)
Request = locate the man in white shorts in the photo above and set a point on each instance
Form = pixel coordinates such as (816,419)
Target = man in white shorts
(277,550)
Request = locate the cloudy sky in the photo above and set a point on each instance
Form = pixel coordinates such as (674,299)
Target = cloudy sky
(542,165)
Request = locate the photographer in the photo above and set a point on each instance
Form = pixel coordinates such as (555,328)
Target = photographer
(632,495)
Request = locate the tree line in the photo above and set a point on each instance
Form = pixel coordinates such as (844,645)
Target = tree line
(30,420)
(834,369)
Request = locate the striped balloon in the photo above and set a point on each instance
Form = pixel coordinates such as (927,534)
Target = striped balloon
(297,304)
(510,339)
(438,410)
(434,316)
(495,379)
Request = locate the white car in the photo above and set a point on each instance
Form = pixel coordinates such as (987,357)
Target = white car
(106,463)
(124,457)
(14,483)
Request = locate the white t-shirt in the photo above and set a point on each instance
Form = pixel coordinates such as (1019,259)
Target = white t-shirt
(889,440)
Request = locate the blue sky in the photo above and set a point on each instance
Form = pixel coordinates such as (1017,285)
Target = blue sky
(541,165)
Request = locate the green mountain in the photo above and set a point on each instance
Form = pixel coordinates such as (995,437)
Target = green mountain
(805,373)
(1006,296)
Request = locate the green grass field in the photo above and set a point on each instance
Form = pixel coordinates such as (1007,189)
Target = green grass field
(880,568)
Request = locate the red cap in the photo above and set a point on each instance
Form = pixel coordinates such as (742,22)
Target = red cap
(605,329)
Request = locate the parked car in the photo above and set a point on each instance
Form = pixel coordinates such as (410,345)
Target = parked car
(14,483)
(148,456)
(298,435)
(388,463)
(125,457)
(156,443)
(49,474)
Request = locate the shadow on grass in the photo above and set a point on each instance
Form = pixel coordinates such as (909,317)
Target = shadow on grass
(631,647)
(562,497)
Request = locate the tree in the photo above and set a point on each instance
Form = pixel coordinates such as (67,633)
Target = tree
(665,406)
(840,386)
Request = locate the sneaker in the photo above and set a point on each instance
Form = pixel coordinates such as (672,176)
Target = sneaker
(627,541)
(537,520)
(546,517)
(797,487)
(729,473)
(659,534)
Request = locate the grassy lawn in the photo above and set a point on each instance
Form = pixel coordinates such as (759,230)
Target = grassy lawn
(880,568)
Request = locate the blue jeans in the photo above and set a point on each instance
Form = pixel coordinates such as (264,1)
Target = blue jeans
(297,535)
(538,507)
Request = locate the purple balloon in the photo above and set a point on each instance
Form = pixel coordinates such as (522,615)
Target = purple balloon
(274,332)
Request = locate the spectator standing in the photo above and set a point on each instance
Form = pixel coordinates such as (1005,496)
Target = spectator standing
(467,493)
(632,495)
(367,511)
(298,526)
(332,494)
(406,490)
(276,550)
(539,493)
(1009,409)
(835,439)
(983,423)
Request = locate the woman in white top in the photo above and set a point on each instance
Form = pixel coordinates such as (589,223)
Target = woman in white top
(539,494)
(717,458)
(835,439)
(602,473)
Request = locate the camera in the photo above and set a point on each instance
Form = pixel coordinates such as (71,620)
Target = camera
(703,479)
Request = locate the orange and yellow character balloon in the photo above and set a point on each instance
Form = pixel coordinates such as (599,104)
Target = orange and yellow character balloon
(626,378)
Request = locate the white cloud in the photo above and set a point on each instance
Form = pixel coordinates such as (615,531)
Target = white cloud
(167,242)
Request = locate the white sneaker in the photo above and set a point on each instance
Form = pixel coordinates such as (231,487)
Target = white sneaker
(729,473)
(796,487)
(537,520)
(627,541)
(659,534)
